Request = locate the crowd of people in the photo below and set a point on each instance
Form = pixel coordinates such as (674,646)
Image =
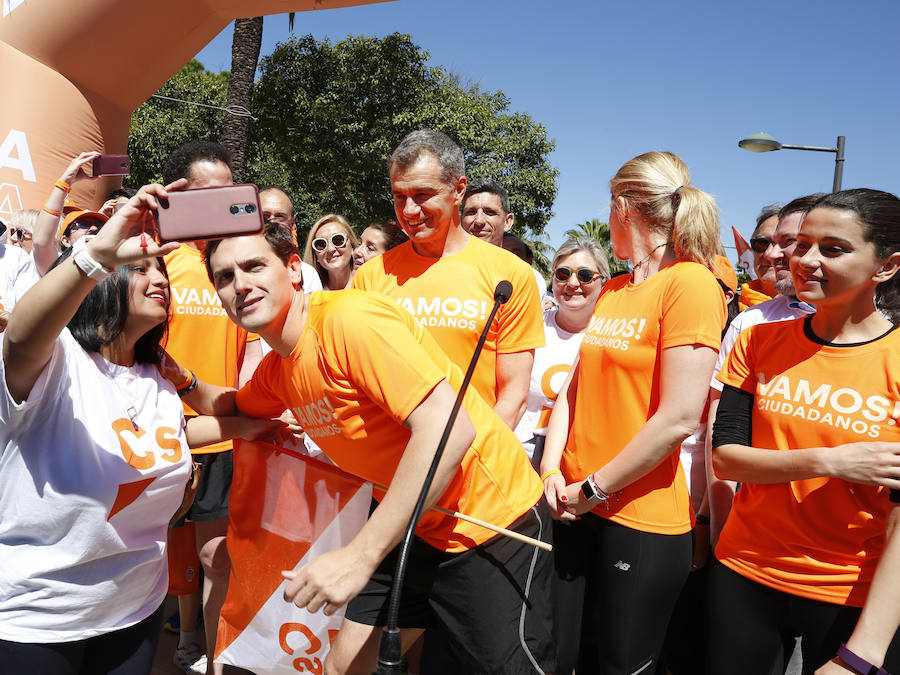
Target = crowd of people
(718,485)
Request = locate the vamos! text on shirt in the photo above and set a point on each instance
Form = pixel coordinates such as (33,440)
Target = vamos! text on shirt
(446,312)
(841,408)
(615,333)
(194,301)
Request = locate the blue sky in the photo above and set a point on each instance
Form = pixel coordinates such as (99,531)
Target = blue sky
(611,80)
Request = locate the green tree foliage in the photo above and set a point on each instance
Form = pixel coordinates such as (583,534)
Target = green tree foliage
(329,115)
(159,126)
(597,229)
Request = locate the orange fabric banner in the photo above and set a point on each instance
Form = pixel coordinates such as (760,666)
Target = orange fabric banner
(285,509)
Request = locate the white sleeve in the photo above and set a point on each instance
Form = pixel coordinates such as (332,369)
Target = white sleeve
(45,392)
(731,336)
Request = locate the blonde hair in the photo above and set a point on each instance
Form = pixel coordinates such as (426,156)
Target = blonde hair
(658,185)
(310,257)
(25,219)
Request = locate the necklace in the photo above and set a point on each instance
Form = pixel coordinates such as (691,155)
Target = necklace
(644,260)
(130,410)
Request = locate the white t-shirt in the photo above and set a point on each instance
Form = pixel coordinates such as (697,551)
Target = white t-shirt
(85,499)
(779,308)
(552,364)
(541,283)
(311,280)
(17,275)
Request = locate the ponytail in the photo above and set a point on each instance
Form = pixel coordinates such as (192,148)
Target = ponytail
(658,185)
(696,233)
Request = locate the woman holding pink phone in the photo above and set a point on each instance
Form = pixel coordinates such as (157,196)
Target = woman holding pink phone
(94,455)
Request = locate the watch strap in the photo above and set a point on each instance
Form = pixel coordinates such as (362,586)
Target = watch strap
(85,261)
(858,663)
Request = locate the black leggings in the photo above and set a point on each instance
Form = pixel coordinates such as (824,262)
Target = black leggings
(614,593)
(749,624)
(128,651)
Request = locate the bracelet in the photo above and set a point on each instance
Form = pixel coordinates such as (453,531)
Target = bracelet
(51,212)
(85,261)
(189,387)
(858,664)
(551,472)
(63,185)
(190,378)
(701,519)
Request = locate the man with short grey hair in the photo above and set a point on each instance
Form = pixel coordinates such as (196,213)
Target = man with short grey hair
(446,278)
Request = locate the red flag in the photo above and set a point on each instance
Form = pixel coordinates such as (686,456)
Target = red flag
(285,509)
(744,252)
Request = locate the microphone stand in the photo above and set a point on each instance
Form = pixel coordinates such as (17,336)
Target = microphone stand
(389,647)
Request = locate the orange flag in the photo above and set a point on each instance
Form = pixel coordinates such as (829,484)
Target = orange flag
(285,509)
(745,253)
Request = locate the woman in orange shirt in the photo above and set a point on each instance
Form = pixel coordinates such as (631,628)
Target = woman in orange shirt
(611,469)
(808,423)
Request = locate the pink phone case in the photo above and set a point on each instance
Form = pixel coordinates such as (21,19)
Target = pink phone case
(111,165)
(210,213)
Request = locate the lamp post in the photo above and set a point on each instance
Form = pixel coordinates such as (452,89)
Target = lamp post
(764,143)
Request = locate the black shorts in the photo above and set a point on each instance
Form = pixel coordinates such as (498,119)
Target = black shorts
(492,602)
(211,500)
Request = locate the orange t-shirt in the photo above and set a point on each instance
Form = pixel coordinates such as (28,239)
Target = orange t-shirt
(452,297)
(818,538)
(618,385)
(201,336)
(751,294)
(360,367)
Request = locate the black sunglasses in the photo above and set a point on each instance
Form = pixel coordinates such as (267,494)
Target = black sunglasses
(760,244)
(20,233)
(321,243)
(583,274)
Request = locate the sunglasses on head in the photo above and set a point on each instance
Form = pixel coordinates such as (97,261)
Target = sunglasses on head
(760,244)
(583,274)
(321,243)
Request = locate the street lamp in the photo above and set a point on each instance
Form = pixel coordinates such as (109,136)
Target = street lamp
(764,143)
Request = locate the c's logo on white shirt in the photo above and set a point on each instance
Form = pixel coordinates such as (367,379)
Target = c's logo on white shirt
(166,440)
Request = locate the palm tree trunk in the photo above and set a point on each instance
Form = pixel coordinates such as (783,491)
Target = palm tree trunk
(245,46)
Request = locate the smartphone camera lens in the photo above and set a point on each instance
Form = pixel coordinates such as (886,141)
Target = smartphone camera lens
(251,208)
(235,209)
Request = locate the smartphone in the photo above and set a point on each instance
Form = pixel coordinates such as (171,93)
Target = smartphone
(111,165)
(210,213)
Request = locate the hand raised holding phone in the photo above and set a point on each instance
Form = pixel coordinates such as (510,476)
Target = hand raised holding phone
(130,234)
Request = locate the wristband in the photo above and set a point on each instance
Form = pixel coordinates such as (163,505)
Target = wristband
(551,472)
(190,378)
(51,212)
(85,261)
(189,387)
(63,185)
(858,664)
(701,519)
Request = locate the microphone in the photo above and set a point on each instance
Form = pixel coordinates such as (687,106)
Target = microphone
(389,646)
(503,292)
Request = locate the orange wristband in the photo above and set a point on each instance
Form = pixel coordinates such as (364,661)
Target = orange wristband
(51,212)
(63,185)
(190,378)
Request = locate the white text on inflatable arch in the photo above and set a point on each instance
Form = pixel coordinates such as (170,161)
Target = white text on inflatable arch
(15,141)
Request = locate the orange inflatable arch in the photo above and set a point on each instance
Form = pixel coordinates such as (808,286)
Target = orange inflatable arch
(73,72)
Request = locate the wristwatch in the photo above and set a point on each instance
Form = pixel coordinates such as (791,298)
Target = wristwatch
(592,492)
(85,261)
